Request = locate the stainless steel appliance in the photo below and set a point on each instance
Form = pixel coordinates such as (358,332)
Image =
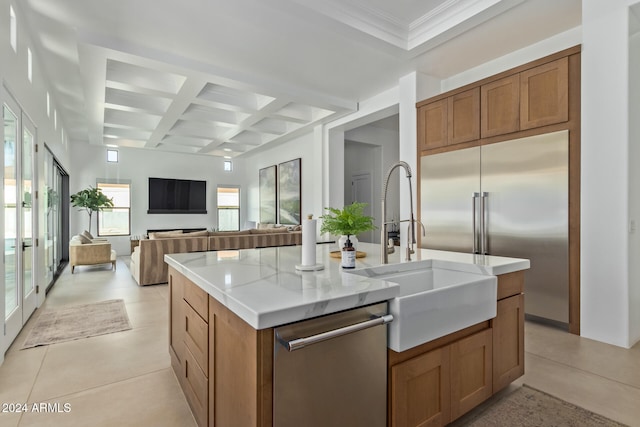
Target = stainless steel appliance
(506,199)
(332,370)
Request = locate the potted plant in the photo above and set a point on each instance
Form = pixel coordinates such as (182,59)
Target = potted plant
(92,200)
(347,222)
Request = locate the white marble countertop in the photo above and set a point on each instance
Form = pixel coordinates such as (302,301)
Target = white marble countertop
(263,287)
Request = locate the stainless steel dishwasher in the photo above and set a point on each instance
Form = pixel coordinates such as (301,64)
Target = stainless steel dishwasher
(331,371)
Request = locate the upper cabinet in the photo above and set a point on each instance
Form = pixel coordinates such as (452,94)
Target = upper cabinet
(532,96)
(500,106)
(544,93)
(449,121)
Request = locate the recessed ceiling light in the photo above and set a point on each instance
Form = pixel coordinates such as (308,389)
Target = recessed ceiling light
(227,157)
(111,145)
(227,149)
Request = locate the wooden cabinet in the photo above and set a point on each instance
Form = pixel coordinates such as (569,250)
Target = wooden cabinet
(500,106)
(449,121)
(439,386)
(189,342)
(464,117)
(471,372)
(433,125)
(544,94)
(508,331)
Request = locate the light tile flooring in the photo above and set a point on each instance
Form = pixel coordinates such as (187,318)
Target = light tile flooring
(125,379)
(119,379)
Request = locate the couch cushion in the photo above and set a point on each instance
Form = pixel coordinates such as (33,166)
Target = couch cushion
(196,234)
(269,230)
(229,233)
(165,234)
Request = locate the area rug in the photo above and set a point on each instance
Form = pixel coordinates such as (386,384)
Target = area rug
(528,407)
(80,321)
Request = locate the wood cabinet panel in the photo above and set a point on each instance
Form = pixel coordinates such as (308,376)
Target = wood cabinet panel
(420,393)
(544,94)
(510,284)
(433,125)
(500,109)
(197,298)
(176,320)
(196,387)
(464,117)
(508,341)
(471,372)
(196,337)
(240,369)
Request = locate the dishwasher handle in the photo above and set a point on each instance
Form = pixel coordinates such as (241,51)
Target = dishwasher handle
(299,343)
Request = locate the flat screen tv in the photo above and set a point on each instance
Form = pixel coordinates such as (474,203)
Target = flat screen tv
(181,196)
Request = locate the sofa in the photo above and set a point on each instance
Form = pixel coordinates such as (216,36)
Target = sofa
(90,253)
(147,259)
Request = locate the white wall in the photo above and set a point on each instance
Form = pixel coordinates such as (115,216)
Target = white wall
(134,164)
(32,98)
(605,284)
(308,148)
(383,151)
(634,176)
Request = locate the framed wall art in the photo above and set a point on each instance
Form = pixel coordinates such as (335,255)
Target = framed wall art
(268,195)
(289,192)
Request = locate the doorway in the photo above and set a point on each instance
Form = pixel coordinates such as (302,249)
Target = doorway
(20,298)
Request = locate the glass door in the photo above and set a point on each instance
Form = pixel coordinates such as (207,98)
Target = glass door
(12,307)
(27,227)
(20,298)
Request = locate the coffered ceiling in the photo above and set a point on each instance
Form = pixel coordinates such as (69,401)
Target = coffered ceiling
(223,78)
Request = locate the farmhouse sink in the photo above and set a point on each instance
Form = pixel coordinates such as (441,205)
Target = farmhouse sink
(433,301)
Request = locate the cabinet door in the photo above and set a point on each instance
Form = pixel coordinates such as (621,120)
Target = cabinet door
(500,110)
(432,125)
(544,94)
(176,320)
(464,117)
(420,390)
(471,373)
(508,341)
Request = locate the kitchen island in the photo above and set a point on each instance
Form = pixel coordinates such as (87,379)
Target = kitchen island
(225,304)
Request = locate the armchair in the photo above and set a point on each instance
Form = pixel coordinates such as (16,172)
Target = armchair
(97,252)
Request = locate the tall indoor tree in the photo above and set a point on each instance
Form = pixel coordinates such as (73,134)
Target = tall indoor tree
(92,200)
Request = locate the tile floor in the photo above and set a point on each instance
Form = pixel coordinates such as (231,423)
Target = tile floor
(125,379)
(119,379)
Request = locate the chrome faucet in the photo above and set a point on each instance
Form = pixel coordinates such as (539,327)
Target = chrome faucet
(384,248)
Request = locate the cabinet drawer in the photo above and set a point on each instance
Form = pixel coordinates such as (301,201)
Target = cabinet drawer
(196,388)
(196,337)
(197,298)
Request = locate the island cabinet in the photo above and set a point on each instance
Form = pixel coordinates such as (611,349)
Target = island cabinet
(437,382)
(223,365)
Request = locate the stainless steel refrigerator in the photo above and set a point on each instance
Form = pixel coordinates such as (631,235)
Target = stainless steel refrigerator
(507,199)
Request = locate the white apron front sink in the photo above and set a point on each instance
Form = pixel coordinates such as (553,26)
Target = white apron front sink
(433,302)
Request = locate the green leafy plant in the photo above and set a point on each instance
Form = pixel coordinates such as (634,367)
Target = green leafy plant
(91,200)
(348,221)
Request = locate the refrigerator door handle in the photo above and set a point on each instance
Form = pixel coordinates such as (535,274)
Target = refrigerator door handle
(484,232)
(474,202)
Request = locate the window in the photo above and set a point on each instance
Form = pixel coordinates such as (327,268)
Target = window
(13,35)
(115,221)
(228,166)
(55,118)
(112,156)
(48,105)
(228,198)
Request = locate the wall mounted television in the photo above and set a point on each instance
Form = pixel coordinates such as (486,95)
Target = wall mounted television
(177,196)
